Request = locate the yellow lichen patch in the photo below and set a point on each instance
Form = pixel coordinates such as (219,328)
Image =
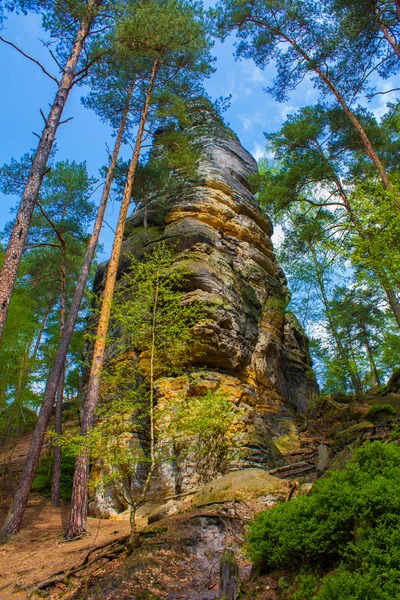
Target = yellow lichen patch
(289,440)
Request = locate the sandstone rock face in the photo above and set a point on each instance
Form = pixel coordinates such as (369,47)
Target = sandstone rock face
(253,350)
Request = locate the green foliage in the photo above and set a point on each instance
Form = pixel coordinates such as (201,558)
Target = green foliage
(349,522)
(380,412)
(44,476)
(198,427)
(151,314)
(48,273)
(155,329)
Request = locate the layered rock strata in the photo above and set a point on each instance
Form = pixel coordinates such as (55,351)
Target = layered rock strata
(253,350)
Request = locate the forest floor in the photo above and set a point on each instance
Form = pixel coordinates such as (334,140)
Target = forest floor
(39,551)
(176,558)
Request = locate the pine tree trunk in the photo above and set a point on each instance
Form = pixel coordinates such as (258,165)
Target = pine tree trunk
(14,518)
(56,481)
(16,244)
(366,142)
(78,517)
(342,351)
(378,270)
(388,36)
(374,371)
(393,301)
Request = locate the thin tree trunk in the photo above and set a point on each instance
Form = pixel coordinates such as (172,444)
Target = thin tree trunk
(342,352)
(388,36)
(56,481)
(358,388)
(14,518)
(78,517)
(374,371)
(13,255)
(394,302)
(378,270)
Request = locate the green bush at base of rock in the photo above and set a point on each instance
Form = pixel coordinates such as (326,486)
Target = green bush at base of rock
(346,533)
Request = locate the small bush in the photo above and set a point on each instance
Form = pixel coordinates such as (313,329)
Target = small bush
(351,522)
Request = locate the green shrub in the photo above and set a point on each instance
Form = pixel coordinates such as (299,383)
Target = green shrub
(44,475)
(351,521)
(380,412)
(344,585)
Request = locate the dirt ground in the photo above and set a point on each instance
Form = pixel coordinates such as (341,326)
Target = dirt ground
(39,550)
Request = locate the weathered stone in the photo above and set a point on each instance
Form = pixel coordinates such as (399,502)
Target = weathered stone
(245,485)
(253,350)
(323,459)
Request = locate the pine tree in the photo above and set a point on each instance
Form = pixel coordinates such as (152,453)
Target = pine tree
(322,165)
(303,41)
(171,37)
(72,24)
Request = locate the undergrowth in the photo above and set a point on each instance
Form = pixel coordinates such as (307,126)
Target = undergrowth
(44,474)
(343,541)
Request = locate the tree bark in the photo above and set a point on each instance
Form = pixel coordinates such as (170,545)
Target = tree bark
(56,481)
(342,351)
(378,270)
(374,371)
(13,255)
(388,36)
(393,301)
(366,142)
(78,517)
(14,518)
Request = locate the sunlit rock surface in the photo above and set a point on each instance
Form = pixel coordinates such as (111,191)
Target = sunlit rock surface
(253,351)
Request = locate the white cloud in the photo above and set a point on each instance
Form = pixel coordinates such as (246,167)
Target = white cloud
(250,120)
(255,74)
(258,151)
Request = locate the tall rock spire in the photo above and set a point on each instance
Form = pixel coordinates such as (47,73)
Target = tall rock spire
(253,350)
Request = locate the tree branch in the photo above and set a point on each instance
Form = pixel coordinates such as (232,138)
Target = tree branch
(30,58)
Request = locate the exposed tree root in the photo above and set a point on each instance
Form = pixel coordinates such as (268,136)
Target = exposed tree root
(62,576)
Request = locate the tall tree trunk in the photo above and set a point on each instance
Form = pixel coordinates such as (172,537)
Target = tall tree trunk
(377,269)
(366,142)
(23,219)
(388,36)
(342,351)
(14,518)
(374,371)
(358,387)
(393,301)
(56,481)
(78,517)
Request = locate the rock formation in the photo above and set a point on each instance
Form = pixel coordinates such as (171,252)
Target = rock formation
(253,350)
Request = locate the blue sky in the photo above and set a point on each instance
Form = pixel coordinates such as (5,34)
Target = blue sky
(25,90)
